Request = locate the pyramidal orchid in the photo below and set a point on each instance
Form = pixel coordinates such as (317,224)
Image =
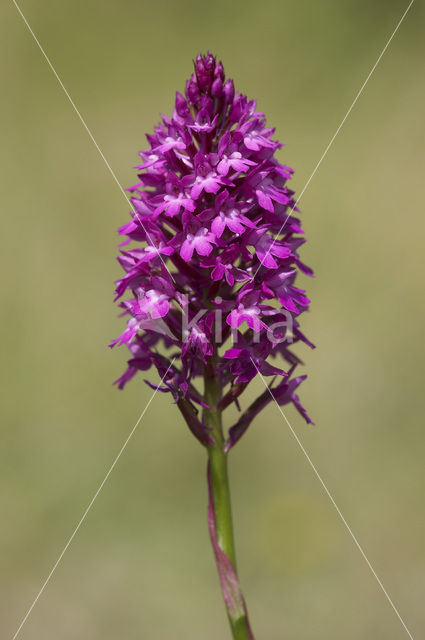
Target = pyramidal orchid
(210,259)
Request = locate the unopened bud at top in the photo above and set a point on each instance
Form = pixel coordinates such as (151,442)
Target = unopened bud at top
(229,91)
(192,90)
(204,69)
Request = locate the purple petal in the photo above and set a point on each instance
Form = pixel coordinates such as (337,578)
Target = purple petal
(264,201)
(218,226)
(186,252)
(203,247)
(223,167)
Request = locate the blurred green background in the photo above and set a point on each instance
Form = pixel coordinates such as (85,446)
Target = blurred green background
(141,564)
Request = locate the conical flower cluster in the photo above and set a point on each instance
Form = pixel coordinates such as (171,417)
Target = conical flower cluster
(210,274)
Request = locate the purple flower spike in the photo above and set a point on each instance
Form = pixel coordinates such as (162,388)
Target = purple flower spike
(214,257)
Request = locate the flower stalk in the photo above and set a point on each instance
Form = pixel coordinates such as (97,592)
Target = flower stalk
(220,511)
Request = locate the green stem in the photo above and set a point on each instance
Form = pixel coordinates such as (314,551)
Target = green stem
(219,479)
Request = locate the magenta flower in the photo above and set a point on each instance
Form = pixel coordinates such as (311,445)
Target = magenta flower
(201,242)
(210,278)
